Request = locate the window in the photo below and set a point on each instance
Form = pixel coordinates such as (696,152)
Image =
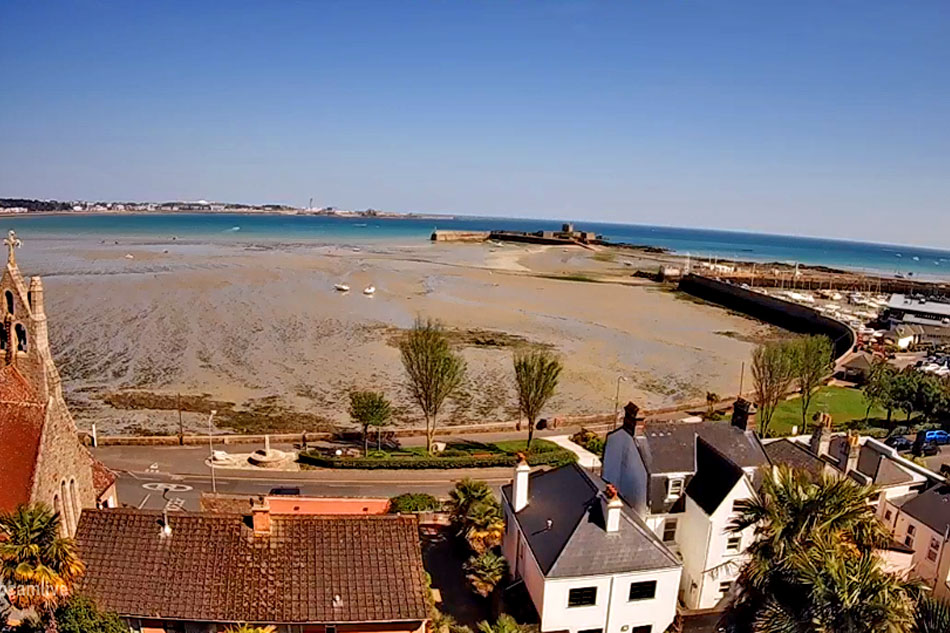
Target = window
(737,505)
(331,628)
(675,487)
(642,590)
(911,529)
(733,544)
(933,550)
(669,530)
(591,631)
(724,587)
(887,515)
(646,628)
(582,597)
(909,539)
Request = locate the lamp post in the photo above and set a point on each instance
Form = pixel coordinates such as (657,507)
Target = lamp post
(214,484)
(620,379)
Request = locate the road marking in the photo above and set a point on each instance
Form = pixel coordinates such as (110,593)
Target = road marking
(175,505)
(159,486)
(144,501)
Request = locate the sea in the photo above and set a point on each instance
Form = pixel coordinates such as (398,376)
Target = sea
(909,261)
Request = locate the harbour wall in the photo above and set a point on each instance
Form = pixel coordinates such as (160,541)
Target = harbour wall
(784,314)
(460,236)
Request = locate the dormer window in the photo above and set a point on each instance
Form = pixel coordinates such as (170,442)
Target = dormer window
(674,487)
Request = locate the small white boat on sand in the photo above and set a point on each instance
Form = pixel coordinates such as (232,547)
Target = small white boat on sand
(342,288)
(369,290)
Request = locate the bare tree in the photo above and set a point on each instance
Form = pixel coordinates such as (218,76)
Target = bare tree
(812,366)
(434,371)
(773,371)
(536,377)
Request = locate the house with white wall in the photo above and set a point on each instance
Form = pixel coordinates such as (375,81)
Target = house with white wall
(589,563)
(654,465)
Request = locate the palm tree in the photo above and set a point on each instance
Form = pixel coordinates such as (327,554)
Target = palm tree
(485,571)
(536,376)
(246,628)
(467,493)
(485,525)
(37,565)
(933,616)
(504,624)
(813,565)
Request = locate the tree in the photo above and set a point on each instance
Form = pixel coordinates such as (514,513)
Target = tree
(38,566)
(467,493)
(904,391)
(369,408)
(78,615)
(773,370)
(434,371)
(712,398)
(878,390)
(812,565)
(484,525)
(504,624)
(485,571)
(812,364)
(246,628)
(536,377)
(933,616)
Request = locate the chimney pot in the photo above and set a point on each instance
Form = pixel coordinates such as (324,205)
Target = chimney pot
(613,508)
(631,421)
(743,415)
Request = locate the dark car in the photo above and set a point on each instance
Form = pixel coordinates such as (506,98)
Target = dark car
(285,491)
(899,442)
(929,449)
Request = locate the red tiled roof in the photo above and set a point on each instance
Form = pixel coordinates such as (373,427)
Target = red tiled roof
(102,477)
(212,568)
(21,428)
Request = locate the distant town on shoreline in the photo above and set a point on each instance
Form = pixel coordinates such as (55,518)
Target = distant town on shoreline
(30,205)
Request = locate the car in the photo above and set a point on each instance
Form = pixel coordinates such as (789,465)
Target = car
(937,437)
(899,442)
(285,491)
(929,449)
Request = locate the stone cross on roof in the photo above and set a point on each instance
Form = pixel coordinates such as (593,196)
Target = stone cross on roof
(12,242)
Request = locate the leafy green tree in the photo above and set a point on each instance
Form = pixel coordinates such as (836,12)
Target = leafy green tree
(878,390)
(434,371)
(78,615)
(369,408)
(38,566)
(773,371)
(536,377)
(467,493)
(812,364)
(813,566)
(485,572)
(504,624)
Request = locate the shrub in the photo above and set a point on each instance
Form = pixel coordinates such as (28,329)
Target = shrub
(589,440)
(555,458)
(413,502)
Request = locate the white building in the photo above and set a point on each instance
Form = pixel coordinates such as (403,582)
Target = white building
(587,560)
(917,310)
(655,468)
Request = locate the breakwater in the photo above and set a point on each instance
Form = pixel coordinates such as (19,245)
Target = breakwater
(784,314)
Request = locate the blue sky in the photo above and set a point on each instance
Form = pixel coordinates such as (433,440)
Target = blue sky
(817,118)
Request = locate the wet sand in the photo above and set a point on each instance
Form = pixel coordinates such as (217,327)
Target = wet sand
(260,328)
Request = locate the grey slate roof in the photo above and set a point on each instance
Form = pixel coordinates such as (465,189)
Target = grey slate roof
(667,446)
(715,477)
(794,454)
(932,508)
(577,544)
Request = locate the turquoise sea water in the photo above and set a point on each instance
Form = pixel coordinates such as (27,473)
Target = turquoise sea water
(924,263)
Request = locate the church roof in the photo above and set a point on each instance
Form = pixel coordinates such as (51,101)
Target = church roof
(22,416)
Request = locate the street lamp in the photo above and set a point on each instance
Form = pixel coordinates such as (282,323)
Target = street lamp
(620,379)
(214,485)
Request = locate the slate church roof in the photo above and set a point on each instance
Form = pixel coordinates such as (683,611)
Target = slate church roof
(575,542)
(213,568)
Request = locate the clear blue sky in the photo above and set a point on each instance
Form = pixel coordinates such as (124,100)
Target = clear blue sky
(810,117)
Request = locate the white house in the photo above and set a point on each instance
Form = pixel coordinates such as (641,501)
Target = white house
(587,560)
(654,466)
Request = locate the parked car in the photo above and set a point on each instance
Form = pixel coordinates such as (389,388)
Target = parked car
(899,442)
(285,491)
(937,437)
(929,449)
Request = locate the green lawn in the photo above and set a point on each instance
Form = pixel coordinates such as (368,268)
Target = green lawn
(842,403)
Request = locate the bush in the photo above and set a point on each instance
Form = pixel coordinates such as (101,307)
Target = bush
(590,440)
(414,502)
(553,458)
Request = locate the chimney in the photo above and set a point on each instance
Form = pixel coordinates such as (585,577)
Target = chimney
(631,422)
(260,514)
(519,487)
(821,437)
(854,451)
(613,506)
(743,415)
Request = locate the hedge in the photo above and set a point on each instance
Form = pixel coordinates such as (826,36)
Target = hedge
(548,458)
(413,502)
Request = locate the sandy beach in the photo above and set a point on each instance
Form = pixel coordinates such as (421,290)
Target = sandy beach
(259,332)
